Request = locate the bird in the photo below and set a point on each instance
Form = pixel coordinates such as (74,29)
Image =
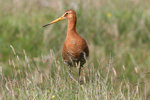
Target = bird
(75,49)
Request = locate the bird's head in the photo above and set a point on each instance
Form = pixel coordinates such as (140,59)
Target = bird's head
(69,14)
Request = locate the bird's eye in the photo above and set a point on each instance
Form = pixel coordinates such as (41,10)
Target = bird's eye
(67,13)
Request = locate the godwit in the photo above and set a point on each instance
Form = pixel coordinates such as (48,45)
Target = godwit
(75,49)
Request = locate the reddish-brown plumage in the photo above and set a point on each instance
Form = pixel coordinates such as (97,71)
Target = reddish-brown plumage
(75,49)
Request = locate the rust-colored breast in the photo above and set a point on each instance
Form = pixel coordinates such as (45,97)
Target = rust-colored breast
(75,50)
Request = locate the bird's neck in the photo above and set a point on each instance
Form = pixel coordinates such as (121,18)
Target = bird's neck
(71,26)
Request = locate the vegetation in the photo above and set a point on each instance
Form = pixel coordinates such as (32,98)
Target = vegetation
(118,34)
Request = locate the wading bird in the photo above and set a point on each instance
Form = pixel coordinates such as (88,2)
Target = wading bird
(75,49)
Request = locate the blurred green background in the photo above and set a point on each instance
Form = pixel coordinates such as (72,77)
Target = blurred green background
(116,28)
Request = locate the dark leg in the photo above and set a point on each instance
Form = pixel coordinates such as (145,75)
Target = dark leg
(80,74)
(80,70)
(70,75)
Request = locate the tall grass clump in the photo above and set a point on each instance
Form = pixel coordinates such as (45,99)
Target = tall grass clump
(47,78)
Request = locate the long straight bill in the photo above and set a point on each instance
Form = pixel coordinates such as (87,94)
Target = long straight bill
(59,19)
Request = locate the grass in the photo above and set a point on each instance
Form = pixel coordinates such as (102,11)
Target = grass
(54,82)
(118,37)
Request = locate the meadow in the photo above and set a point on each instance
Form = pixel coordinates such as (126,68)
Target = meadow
(118,35)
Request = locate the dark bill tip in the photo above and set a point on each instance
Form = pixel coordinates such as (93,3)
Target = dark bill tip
(46,25)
